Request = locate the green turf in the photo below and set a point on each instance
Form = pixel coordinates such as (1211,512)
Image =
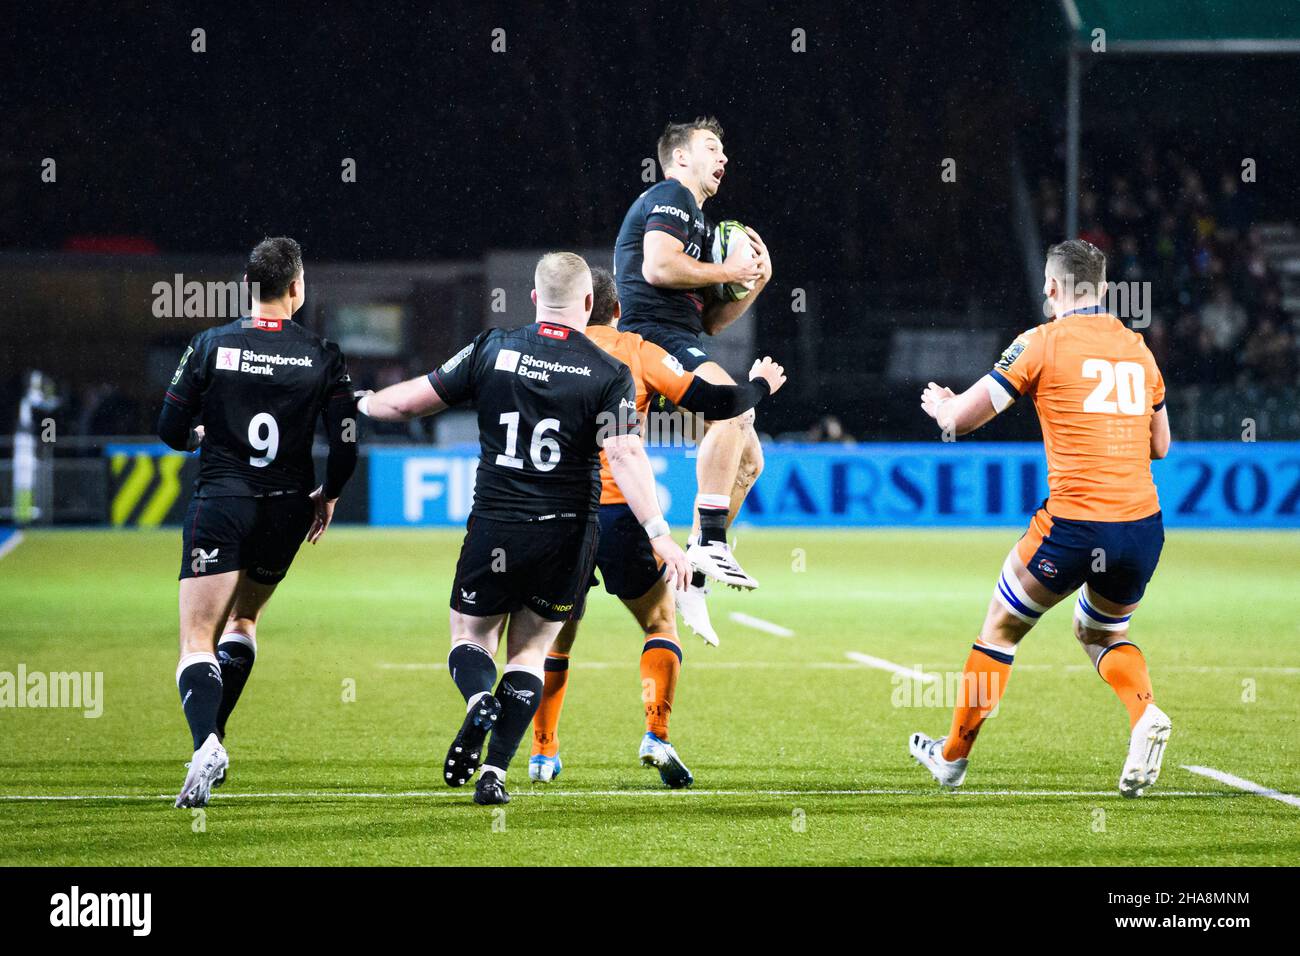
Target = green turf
(760,713)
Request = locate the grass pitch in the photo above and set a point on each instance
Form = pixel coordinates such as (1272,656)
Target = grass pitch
(799,751)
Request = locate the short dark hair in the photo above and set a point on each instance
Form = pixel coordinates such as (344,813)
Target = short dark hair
(604,297)
(272,265)
(1082,261)
(677,135)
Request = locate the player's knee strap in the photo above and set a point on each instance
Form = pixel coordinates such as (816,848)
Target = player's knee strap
(1088,616)
(1015,598)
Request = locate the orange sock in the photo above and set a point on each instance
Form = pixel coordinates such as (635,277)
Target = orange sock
(983,680)
(661,662)
(1123,667)
(546,723)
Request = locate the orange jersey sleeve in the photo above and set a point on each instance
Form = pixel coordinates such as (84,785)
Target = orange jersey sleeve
(662,373)
(1021,365)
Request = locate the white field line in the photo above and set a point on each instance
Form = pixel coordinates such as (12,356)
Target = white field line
(11,542)
(758,624)
(838,665)
(695,664)
(543,792)
(1249,786)
(884,665)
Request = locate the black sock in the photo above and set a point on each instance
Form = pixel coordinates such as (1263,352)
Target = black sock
(473,670)
(236,660)
(520,693)
(199,680)
(713,522)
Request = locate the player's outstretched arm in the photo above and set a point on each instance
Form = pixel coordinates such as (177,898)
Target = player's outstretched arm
(720,402)
(960,414)
(634,477)
(414,398)
(1161,438)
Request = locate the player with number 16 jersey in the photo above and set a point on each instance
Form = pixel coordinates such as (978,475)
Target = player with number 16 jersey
(549,400)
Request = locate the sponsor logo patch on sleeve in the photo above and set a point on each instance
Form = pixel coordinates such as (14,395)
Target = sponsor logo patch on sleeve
(1010,355)
(189,350)
(456,359)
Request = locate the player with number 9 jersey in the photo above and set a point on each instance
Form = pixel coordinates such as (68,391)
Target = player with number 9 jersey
(248,394)
(258,386)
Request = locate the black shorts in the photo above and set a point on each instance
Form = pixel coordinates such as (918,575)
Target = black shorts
(681,343)
(627,563)
(506,565)
(257,535)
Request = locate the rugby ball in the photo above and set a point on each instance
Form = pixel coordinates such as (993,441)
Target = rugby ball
(730,239)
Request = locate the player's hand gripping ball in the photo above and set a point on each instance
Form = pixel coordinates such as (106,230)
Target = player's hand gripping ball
(732,244)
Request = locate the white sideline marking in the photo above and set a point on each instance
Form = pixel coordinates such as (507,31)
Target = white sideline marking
(11,542)
(758,624)
(884,665)
(631,662)
(543,792)
(1249,786)
(696,663)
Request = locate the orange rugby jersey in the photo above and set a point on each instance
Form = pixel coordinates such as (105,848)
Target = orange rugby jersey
(653,370)
(1095,385)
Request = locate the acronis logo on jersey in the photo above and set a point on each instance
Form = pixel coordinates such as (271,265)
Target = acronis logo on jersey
(671,211)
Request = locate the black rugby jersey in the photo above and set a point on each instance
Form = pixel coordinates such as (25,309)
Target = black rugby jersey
(546,395)
(258,387)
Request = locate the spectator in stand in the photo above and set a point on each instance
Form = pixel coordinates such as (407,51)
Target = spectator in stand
(1223,320)
(829,429)
(1270,354)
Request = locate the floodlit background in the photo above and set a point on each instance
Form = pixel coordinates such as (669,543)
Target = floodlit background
(907,166)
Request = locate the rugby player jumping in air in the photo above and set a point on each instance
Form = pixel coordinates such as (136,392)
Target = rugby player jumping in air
(624,558)
(1101,403)
(664,274)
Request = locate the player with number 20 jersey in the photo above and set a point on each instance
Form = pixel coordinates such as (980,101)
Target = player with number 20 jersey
(1101,403)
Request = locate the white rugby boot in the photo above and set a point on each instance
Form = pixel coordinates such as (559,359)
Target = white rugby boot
(692,605)
(1146,750)
(716,560)
(929,754)
(207,769)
